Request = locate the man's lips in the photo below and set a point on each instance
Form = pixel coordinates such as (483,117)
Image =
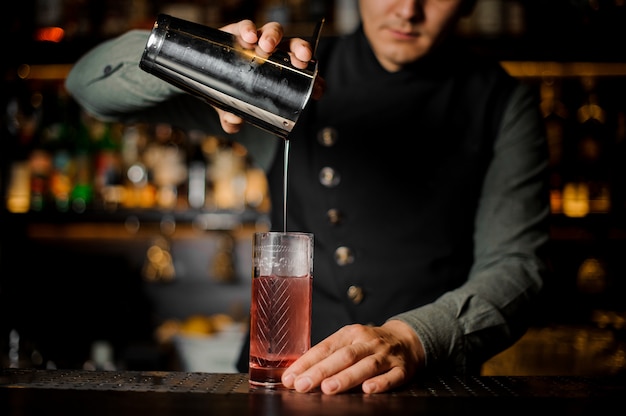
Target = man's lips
(403,34)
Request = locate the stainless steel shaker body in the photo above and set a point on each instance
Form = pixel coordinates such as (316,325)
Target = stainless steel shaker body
(209,63)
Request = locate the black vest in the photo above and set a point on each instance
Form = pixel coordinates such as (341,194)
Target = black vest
(408,153)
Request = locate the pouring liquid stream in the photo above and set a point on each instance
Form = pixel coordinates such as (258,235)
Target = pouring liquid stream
(285,169)
(314,41)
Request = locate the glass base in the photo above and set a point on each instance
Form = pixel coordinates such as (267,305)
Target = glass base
(266,377)
(266,385)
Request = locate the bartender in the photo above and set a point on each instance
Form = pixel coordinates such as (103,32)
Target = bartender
(421,171)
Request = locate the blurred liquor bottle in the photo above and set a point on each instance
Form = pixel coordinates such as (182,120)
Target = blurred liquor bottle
(52,166)
(593,148)
(557,121)
(197,170)
(618,167)
(107,162)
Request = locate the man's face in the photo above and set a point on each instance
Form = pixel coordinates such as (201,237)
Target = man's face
(402,31)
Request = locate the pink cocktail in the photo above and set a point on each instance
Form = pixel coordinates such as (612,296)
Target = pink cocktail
(280,312)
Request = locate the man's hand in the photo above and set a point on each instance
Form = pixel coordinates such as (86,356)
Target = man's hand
(264,41)
(377,358)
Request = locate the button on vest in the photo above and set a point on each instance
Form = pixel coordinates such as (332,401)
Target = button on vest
(329,177)
(344,256)
(327,136)
(355,294)
(334,216)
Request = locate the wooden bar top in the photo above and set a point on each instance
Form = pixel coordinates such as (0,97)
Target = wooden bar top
(119,393)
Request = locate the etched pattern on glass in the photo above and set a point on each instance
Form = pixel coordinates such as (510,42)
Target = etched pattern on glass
(274,314)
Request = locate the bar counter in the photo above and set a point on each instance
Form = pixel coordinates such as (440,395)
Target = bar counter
(120,393)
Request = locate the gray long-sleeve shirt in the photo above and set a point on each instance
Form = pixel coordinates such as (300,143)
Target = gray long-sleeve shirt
(444,227)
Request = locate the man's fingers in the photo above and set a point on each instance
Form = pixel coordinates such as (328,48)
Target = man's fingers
(349,367)
(266,39)
(231,123)
(332,356)
(377,358)
(385,382)
(247,31)
(270,35)
(319,86)
(300,52)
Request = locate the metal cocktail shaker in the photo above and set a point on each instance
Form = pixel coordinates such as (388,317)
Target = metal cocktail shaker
(209,63)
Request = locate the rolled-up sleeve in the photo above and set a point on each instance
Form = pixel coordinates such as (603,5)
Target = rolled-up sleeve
(493,309)
(109,84)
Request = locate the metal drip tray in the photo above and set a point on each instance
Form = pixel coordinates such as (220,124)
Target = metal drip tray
(186,382)
(140,381)
(32,392)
